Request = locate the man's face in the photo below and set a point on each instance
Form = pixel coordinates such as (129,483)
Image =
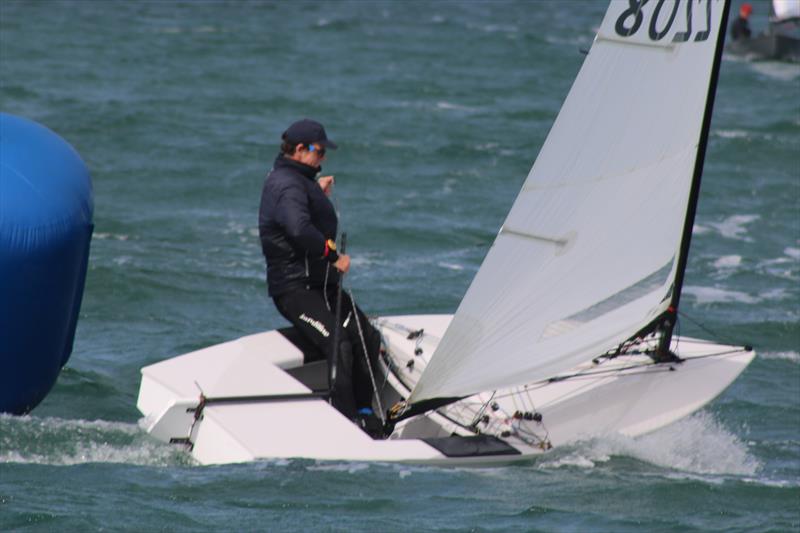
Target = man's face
(311,155)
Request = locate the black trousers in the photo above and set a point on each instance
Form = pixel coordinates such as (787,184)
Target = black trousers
(313,313)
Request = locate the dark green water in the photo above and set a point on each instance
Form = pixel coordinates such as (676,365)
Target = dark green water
(439,109)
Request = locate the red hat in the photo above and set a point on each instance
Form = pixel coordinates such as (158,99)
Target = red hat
(745,10)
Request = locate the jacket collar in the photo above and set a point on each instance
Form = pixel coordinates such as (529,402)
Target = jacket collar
(306,170)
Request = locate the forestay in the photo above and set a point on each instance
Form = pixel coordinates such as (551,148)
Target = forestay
(587,256)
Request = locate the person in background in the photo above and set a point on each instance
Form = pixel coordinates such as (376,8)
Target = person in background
(297,225)
(740,29)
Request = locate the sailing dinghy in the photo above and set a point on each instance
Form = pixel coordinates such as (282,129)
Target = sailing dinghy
(780,40)
(566,332)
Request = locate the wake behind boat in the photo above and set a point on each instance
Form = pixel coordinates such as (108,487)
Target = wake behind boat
(567,329)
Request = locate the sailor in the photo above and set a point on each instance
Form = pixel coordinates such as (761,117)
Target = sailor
(740,29)
(297,224)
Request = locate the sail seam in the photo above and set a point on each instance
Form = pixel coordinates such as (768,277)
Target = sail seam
(668,47)
(537,186)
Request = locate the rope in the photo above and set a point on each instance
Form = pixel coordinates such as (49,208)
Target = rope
(325,286)
(707,330)
(479,415)
(366,357)
(593,373)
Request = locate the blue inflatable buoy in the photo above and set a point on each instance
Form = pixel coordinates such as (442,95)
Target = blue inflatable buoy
(46,206)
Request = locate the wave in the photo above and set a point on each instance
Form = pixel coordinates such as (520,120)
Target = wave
(734,227)
(56,441)
(728,262)
(106,236)
(794,357)
(731,134)
(450,106)
(775,70)
(695,445)
(707,295)
(171,30)
(781,267)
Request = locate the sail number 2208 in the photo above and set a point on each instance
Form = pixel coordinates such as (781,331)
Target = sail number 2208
(661,22)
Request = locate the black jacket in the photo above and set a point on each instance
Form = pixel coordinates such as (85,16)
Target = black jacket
(294,221)
(740,29)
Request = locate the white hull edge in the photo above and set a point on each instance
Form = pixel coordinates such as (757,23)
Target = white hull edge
(627,395)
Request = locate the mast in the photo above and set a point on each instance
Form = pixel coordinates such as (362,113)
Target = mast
(669,319)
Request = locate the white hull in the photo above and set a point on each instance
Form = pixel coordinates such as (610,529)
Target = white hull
(628,395)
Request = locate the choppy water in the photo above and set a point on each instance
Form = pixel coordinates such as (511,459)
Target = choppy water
(440,109)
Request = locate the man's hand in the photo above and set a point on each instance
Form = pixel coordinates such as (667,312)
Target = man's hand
(326,183)
(343,263)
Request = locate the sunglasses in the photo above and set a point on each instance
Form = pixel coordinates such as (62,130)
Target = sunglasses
(320,150)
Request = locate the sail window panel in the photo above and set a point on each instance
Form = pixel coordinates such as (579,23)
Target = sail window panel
(601,211)
(655,282)
(507,324)
(500,330)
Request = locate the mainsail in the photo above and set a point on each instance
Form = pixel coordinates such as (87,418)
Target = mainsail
(590,251)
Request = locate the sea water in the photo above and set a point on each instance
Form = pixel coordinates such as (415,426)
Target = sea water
(439,109)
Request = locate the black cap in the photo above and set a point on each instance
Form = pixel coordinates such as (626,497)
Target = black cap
(308,132)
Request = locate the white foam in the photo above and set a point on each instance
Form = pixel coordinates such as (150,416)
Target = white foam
(794,253)
(366,260)
(776,70)
(780,267)
(785,356)
(107,236)
(487,147)
(197,29)
(348,467)
(699,230)
(694,445)
(499,28)
(728,261)
(450,266)
(731,134)
(235,228)
(734,227)
(707,295)
(774,294)
(56,441)
(453,107)
(776,261)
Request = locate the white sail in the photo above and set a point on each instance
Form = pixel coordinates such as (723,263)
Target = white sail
(587,255)
(785,9)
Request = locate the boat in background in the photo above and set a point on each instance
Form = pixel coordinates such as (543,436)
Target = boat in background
(780,41)
(567,330)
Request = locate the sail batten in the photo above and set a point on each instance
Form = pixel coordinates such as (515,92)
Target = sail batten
(561,241)
(636,119)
